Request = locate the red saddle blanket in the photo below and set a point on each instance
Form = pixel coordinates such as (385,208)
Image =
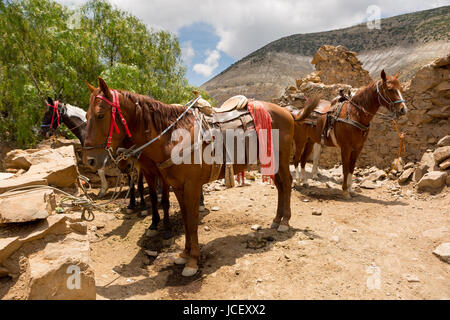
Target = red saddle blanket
(263,127)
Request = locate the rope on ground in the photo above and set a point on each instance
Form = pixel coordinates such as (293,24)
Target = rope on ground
(86,203)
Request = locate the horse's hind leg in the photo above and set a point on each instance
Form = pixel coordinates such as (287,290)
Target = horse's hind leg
(305,155)
(151,181)
(300,145)
(141,191)
(285,187)
(132,204)
(316,156)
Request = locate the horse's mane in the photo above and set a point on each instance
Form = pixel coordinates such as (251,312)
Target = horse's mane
(74,111)
(163,114)
(364,96)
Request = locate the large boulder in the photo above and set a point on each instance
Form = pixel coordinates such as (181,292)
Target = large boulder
(62,271)
(445,141)
(56,167)
(432,180)
(26,207)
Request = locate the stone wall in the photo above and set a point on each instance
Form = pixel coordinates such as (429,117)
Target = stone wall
(427,97)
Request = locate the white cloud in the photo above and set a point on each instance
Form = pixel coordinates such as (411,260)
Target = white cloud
(187,52)
(211,63)
(244,26)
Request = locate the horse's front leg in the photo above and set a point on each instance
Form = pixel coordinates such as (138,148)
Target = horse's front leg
(141,191)
(192,201)
(346,178)
(151,181)
(104,182)
(132,204)
(353,158)
(165,203)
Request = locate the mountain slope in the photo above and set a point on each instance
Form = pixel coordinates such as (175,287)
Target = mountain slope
(403,44)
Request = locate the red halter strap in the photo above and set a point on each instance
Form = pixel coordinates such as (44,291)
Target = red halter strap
(55,110)
(115,106)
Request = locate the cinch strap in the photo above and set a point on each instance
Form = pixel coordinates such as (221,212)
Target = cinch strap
(115,106)
(55,110)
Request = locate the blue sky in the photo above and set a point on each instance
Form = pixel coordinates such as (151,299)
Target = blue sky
(198,41)
(215,33)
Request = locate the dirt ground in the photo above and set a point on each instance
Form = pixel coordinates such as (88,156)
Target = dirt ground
(376,246)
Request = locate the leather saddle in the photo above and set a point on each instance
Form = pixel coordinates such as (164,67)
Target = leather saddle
(238,102)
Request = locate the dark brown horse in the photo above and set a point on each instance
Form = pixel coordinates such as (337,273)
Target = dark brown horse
(351,125)
(146,119)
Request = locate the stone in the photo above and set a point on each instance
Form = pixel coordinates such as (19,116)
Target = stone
(427,162)
(62,271)
(317,212)
(411,278)
(26,207)
(8,246)
(409,165)
(56,167)
(406,175)
(151,253)
(436,233)
(256,227)
(80,227)
(444,142)
(335,238)
(368,184)
(441,154)
(18,159)
(55,224)
(418,174)
(377,175)
(5,175)
(444,165)
(432,180)
(206,228)
(4,272)
(215,209)
(443,252)
(398,164)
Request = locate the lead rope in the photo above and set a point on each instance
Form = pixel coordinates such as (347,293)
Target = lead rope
(402,148)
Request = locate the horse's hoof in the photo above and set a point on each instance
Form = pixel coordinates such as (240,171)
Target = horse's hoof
(180,261)
(346,195)
(283,228)
(151,233)
(201,208)
(274,225)
(189,272)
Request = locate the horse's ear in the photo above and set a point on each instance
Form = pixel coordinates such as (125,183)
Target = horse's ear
(383,76)
(104,87)
(396,76)
(50,101)
(90,86)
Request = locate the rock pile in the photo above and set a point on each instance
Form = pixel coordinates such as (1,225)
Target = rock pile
(43,255)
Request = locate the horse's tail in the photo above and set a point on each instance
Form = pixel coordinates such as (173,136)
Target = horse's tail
(310,105)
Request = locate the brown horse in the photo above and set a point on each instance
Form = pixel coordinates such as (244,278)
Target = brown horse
(351,124)
(146,119)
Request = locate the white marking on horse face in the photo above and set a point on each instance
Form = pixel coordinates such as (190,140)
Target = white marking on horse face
(401,98)
(76,112)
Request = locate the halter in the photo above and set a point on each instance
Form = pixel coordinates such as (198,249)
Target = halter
(115,105)
(389,102)
(55,110)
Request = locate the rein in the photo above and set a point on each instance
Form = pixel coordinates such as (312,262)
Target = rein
(55,111)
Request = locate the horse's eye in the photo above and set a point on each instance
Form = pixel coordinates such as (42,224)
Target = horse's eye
(100,116)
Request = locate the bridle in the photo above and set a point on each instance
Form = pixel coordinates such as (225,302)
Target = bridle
(390,103)
(55,107)
(115,108)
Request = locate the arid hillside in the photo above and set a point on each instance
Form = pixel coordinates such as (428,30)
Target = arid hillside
(404,43)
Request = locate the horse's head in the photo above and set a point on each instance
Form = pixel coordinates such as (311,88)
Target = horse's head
(103,132)
(51,119)
(389,94)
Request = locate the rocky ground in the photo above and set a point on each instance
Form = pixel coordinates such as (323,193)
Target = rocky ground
(379,245)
